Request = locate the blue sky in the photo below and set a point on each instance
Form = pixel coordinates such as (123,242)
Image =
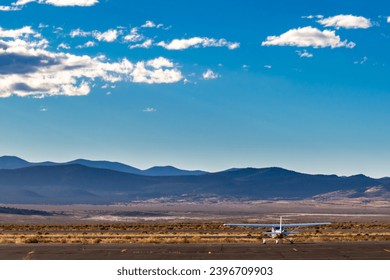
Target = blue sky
(207,85)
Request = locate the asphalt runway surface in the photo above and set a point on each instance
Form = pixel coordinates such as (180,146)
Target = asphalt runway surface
(244,251)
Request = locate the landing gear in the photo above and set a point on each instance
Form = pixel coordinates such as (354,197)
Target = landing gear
(278,240)
(265,241)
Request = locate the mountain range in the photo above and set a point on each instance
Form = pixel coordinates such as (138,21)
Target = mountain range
(101,182)
(12,162)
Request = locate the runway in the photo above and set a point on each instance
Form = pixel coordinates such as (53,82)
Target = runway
(300,251)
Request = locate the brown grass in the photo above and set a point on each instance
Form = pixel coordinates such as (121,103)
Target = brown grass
(181,233)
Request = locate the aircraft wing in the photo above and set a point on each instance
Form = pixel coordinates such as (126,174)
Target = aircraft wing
(278,225)
(306,225)
(252,225)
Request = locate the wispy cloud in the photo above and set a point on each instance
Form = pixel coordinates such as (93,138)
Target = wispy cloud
(63,46)
(41,26)
(151,24)
(149,110)
(88,44)
(364,60)
(145,45)
(108,36)
(43,109)
(304,53)
(196,42)
(313,16)
(308,37)
(346,21)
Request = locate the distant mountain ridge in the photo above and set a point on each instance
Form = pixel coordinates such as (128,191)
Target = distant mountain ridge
(13,162)
(76,183)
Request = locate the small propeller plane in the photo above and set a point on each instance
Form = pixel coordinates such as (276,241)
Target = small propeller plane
(278,231)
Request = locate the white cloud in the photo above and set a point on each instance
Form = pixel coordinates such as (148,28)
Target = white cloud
(210,75)
(17,33)
(149,110)
(308,37)
(9,8)
(313,16)
(88,44)
(79,33)
(63,3)
(233,46)
(149,24)
(23,2)
(268,66)
(196,42)
(346,21)
(388,19)
(41,26)
(145,73)
(108,36)
(18,5)
(304,53)
(134,36)
(63,46)
(160,62)
(145,45)
(29,69)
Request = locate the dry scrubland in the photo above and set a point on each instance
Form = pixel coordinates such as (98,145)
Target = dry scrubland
(179,233)
(179,223)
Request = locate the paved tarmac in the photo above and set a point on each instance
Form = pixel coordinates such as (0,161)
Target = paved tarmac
(300,251)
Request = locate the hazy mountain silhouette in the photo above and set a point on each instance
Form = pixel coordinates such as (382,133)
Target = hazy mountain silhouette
(12,162)
(170,171)
(75,183)
(116,166)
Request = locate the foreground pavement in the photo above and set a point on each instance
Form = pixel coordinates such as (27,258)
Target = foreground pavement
(300,251)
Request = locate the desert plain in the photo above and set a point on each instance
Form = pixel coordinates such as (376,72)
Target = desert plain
(187,230)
